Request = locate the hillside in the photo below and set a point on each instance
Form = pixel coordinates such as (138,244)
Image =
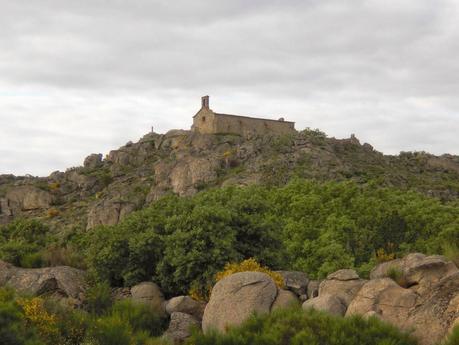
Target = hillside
(105,190)
(196,231)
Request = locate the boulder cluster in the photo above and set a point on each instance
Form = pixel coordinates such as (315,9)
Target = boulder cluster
(417,293)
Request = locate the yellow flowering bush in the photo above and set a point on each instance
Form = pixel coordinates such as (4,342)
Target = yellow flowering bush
(249,265)
(36,314)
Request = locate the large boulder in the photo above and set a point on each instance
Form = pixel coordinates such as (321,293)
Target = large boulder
(180,327)
(93,161)
(430,315)
(187,305)
(284,299)
(108,212)
(236,297)
(150,294)
(328,303)
(295,281)
(437,311)
(417,270)
(343,284)
(313,288)
(29,197)
(384,298)
(61,282)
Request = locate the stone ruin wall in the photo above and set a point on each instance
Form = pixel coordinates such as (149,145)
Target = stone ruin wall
(246,125)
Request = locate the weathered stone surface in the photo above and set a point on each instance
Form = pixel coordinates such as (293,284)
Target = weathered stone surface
(108,212)
(343,275)
(150,294)
(418,271)
(430,315)
(29,197)
(328,303)
(5,209)
(93,161)
(295,281)
(284,299)
(236,297)
(343,284)
(436,311)
(313,288)
(386,298)
(189,173)
(187,305)
(180,327)
(61,281)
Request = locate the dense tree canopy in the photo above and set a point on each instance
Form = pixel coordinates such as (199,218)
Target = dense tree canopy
(306,225)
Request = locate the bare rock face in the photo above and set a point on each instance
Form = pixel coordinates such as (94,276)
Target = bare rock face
(430,315)
(62,282)
(93,161)
(386,299)
(186,176)
(313,288)
(328,303)
(236,297)
(29,198)
(284,299)
(437,311)
(187,305)
(417,270)
(180,327)
(295,281)
(150,294)
(343,284)
(108,212)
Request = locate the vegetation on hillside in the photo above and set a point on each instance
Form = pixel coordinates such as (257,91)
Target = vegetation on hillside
(299,327)
(314,227)
(40,321)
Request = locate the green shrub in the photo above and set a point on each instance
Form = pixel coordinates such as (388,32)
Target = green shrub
(396,275)
(14,330)
(306,225)
(110,330)
(297,327)
(99,298)
(21,242)
(453,338)
(140,317)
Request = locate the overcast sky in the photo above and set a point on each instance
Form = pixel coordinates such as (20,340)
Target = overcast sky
(84,76)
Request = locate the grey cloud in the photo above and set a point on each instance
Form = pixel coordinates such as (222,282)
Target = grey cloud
(80,76)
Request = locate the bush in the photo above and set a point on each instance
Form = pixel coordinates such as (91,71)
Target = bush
(99,298)
(249,265)
(110,330)
(14,329)
(140,317)
(38,316)
(295,326)
(21,242)
(318,228)
(453,338)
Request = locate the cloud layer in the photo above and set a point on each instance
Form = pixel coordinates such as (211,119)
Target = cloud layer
(87,76)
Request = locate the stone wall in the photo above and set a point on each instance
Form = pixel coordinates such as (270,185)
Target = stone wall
(208,122)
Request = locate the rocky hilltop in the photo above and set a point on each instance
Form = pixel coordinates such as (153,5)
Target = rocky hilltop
(106,189)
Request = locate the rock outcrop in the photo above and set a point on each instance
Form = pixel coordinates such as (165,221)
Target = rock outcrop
(343,284)
(284,299)
(417,271)
(61,282)
(150,294)
(27,198)
(187,305)
(327,303)
(295,281)
(236,297)
(180,327)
